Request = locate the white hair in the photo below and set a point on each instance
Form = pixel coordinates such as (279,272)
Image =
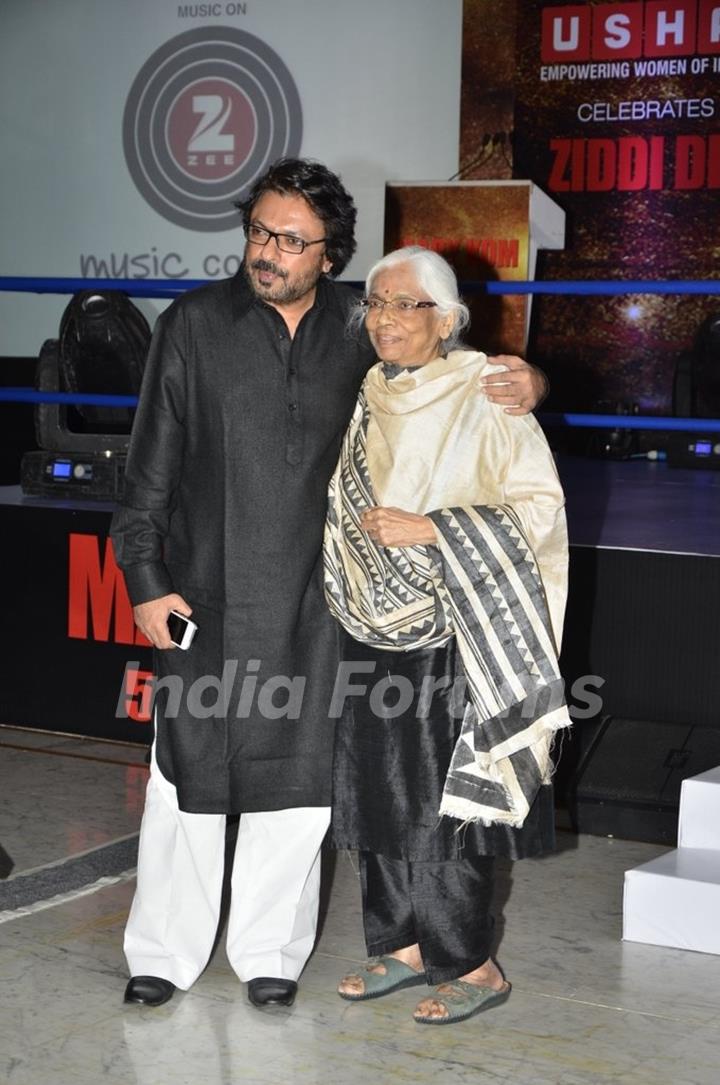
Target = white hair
(435,277)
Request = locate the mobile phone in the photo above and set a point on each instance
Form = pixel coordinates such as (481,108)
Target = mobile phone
(181,630)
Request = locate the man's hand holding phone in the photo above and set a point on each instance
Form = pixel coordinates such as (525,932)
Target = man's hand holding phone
(153,618)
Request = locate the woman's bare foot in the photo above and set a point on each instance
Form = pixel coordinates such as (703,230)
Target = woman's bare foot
(487,975)
(354,985)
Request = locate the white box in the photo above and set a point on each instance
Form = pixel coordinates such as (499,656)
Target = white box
(674,900)
(699,825)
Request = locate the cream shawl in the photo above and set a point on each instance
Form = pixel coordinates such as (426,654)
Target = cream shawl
(428,441)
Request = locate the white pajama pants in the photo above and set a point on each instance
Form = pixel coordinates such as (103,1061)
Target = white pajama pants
(274,890)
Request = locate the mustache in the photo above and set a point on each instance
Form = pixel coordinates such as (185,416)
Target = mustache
(268,265)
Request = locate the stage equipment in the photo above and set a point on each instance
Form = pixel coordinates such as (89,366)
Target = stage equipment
(696,394)
(628,782)
(694,450)
(95,476)
(101,349)
(619,443)
(696,388)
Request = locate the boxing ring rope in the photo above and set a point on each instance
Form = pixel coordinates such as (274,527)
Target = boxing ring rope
(171,288)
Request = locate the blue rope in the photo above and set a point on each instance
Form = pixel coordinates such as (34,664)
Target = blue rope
(584,421)
(633,421)
(608,286)
(163,288)
(31,395)
(138,288)
(171,288)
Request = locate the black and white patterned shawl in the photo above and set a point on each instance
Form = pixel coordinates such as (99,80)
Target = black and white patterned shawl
(480,584)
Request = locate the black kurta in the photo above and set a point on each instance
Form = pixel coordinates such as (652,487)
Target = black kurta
(236,435)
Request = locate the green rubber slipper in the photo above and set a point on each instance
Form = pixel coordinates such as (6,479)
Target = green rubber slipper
(396,976)
(462,1000)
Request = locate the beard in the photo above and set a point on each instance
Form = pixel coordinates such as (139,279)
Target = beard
(286,287)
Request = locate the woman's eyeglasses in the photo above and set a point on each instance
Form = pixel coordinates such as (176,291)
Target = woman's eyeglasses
(398,305)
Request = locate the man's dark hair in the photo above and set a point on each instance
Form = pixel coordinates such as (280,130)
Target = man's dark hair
(324,192)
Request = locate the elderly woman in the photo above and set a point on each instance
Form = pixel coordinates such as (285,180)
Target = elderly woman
(445,559)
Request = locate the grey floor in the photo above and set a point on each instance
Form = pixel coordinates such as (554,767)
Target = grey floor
(586,1007)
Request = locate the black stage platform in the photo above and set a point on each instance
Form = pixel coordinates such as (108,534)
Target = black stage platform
(639,505)
(644,601)
(644,616)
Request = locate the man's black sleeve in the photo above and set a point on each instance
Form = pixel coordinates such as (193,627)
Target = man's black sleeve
(140,526)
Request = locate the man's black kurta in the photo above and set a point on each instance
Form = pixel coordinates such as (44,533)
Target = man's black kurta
(236,435)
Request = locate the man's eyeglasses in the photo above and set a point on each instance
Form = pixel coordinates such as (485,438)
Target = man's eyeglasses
(258,235)
(398,305)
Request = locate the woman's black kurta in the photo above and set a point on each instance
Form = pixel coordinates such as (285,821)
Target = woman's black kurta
(236,435)
(390,770)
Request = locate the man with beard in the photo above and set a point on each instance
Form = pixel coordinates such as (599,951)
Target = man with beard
(249,386)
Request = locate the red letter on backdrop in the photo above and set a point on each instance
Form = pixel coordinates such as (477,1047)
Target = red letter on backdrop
(670,28)
(709,27)
(601,165)
(617,31)
(558,180)
(565,33)
(98,590)
(690,155)
(632,164)
(713,162)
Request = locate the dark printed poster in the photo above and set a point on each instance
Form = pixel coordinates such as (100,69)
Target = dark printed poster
(616,118)
(481,228)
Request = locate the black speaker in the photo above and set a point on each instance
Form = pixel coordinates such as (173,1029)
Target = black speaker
(628,782)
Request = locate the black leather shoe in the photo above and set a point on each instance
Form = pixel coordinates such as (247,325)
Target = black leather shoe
(149,990)
(266,991)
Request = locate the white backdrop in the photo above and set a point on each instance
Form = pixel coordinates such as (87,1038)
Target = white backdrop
(379,84)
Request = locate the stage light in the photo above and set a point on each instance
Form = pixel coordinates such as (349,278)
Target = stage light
(101,350)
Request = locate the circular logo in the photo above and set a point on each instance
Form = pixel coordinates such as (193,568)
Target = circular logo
(208,113)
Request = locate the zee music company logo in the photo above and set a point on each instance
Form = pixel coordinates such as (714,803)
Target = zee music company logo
(206,115)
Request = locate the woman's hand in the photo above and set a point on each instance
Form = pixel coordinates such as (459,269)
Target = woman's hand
(395,527)
(519,389)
